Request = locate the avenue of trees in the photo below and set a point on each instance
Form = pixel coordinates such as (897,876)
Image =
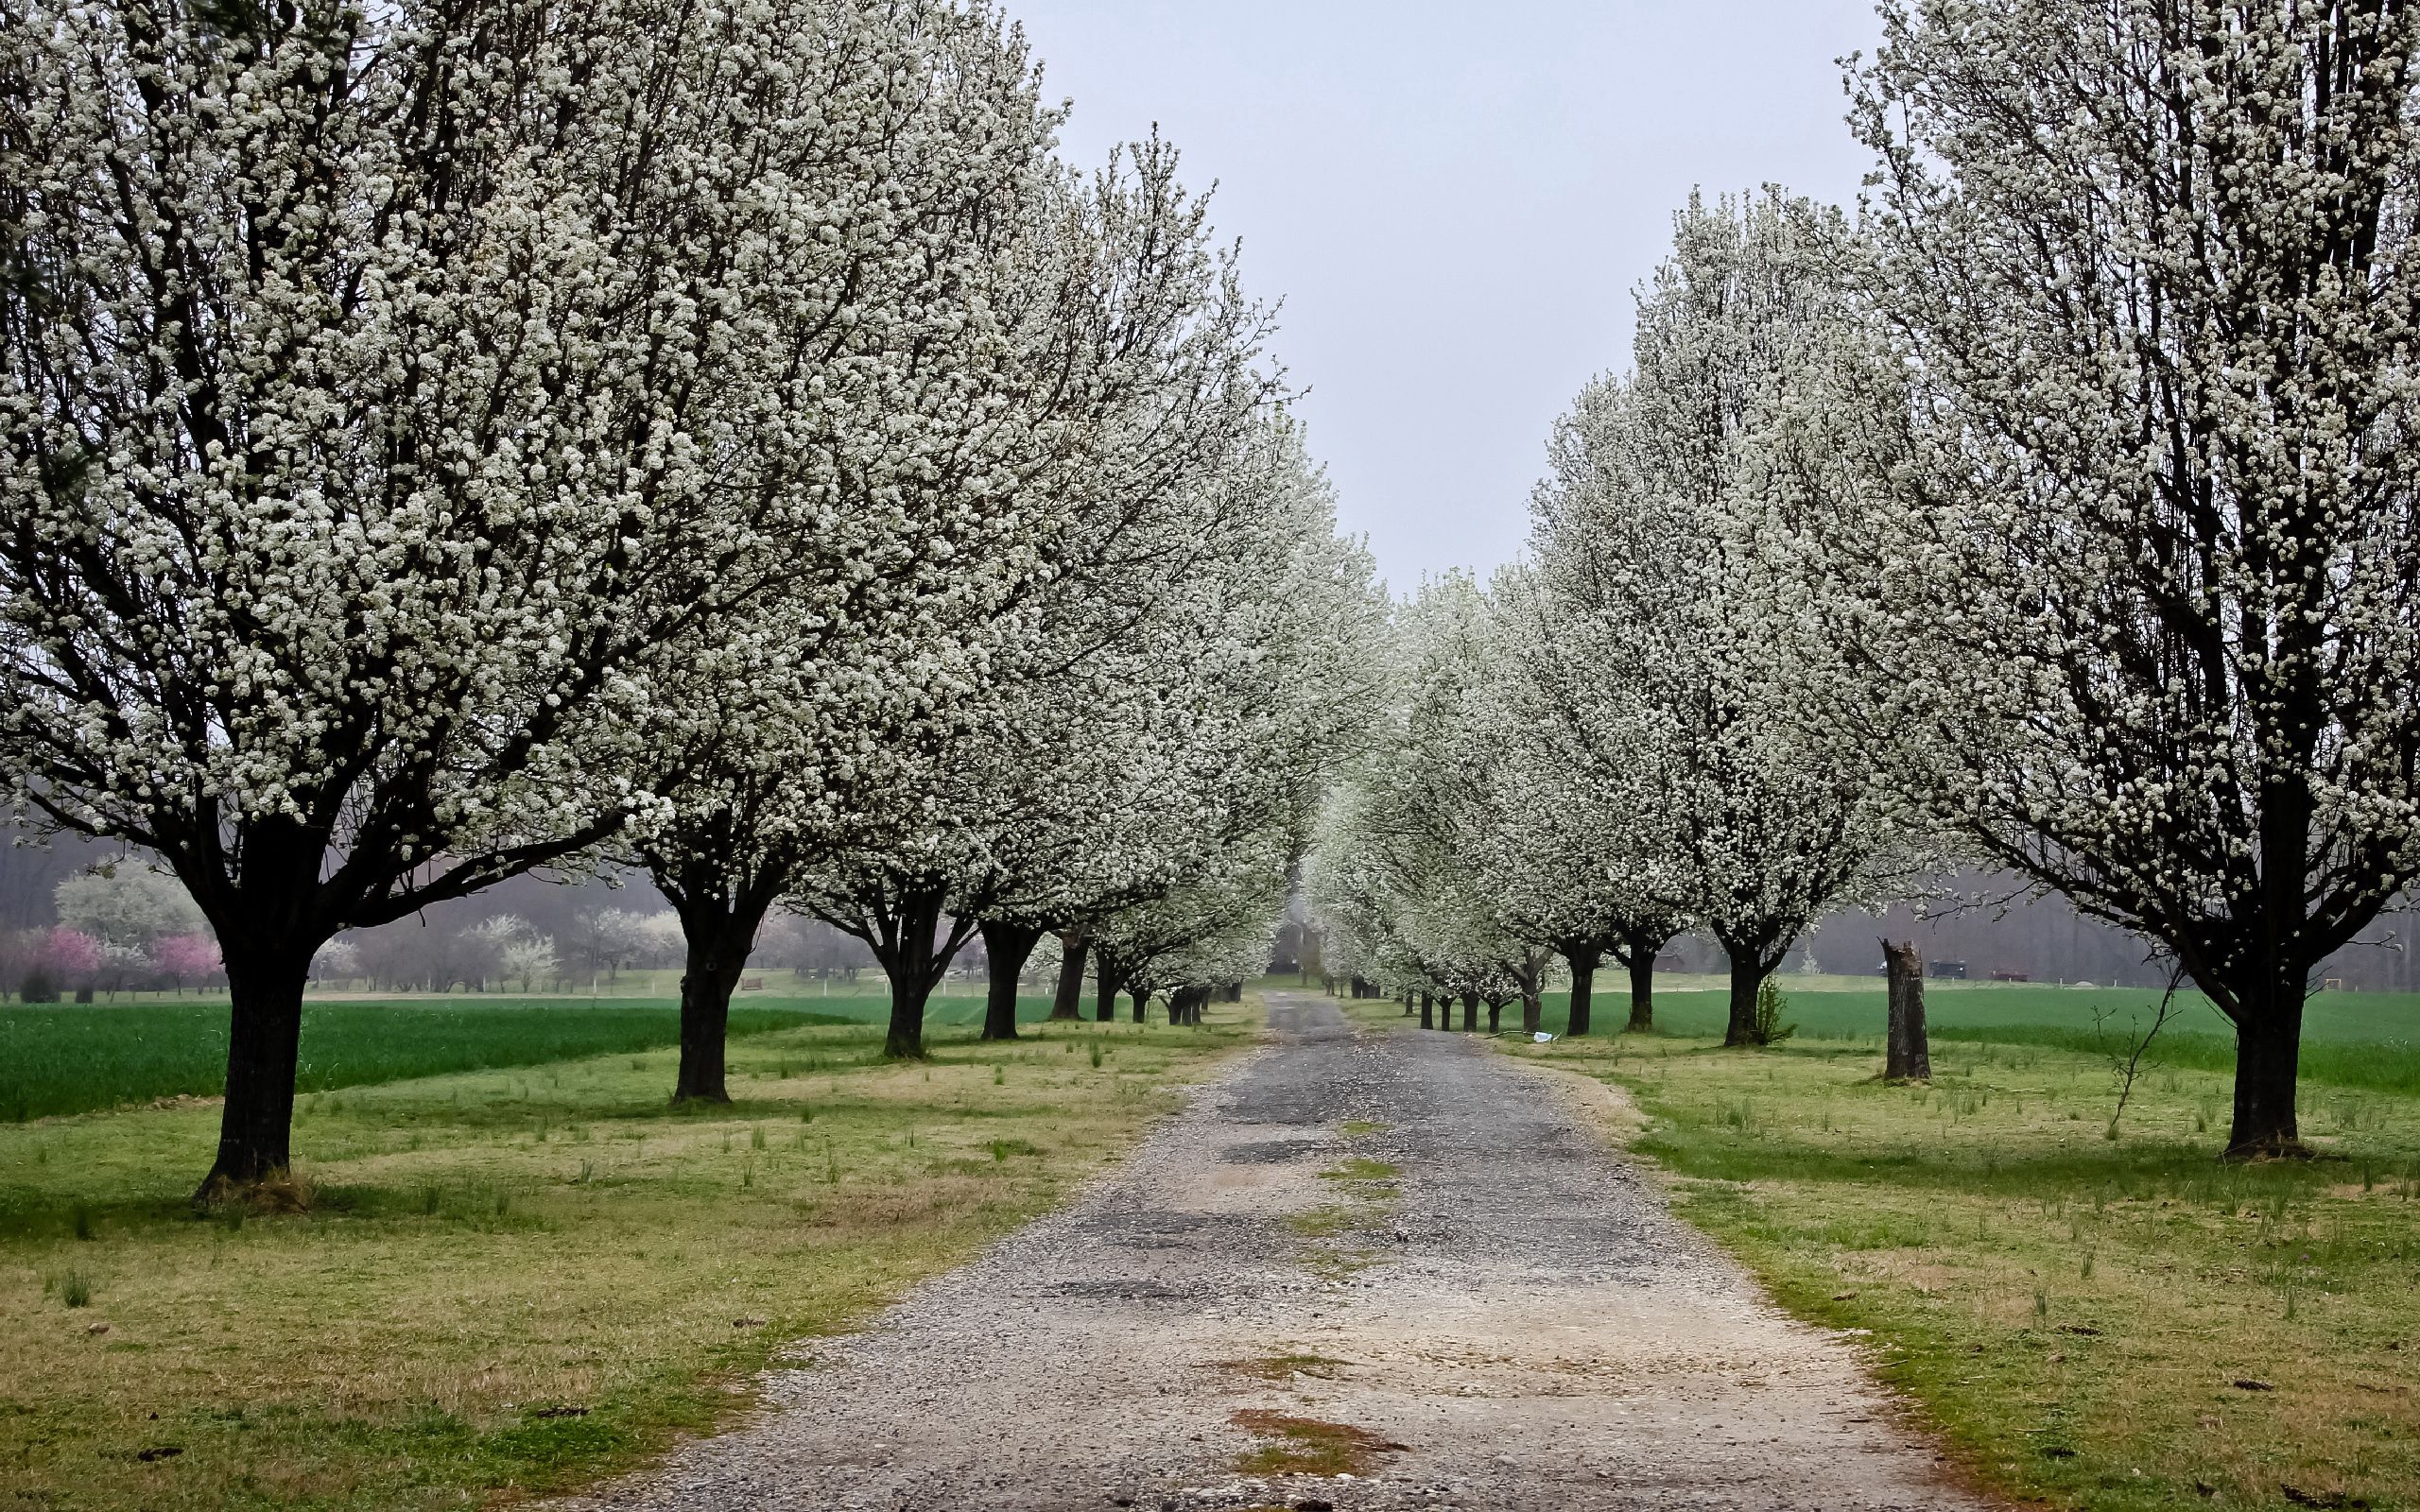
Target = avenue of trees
(445,443)
(2058,512)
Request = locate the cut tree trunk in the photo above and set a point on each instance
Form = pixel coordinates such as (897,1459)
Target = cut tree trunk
(1907,1056)
(264,1041)
(1069,1001)
(1583,961)
(1007,948)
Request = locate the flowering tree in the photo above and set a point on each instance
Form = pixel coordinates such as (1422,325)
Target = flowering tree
(1699,706)
(928,404)
(1399,875)
(70,954)
(184,959)
(1168,696)
(2138,549)
(126,903)
(380,391)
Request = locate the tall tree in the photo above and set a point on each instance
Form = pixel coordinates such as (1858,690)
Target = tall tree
(2138,549)
(1652,530)
(366,375)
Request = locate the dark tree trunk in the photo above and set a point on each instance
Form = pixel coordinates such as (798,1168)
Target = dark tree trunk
(1583,960)
(1105,1006)
(1427,1011)
(719,932)
(1470,1013)
(1748,972)
(909,952)
(1069,1003)
(1007,947)
(2268,1056)
(1907,1054)
(1406,1003)
(1142,997)
(264,1041)
(1642,992)
(910,991)
(1494,1015)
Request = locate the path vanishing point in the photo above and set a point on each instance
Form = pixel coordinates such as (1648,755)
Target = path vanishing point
(1254,1311)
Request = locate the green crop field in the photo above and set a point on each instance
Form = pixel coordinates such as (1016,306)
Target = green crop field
(72,1059)
(2356,1040)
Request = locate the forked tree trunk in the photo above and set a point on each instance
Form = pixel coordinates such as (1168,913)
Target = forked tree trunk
(1583,960)
(2267,1058)
(1907,1050)
(263,1044)
(1105,1006)
(1069,1001)
(1007,947)
(908,952)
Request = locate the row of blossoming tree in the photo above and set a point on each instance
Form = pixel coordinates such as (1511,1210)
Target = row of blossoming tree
(453,438)
(2059,510)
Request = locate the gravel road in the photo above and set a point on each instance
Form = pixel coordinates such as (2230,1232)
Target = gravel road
(1366,1269)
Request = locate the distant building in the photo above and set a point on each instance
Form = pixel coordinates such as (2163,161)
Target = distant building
(1949,971)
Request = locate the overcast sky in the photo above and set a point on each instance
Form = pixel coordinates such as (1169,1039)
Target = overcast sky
(1456,202)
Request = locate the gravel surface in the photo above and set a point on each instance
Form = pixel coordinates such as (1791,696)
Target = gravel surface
(1507,1319)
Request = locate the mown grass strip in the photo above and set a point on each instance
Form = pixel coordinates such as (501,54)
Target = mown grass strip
(511,1281)
(2078,1314)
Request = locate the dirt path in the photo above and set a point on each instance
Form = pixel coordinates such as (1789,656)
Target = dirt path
(1508,1319)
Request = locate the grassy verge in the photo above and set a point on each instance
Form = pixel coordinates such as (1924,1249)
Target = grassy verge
(513,1280)
(2094,1322)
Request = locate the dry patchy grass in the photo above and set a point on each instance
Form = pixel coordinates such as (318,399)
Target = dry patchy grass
(511,1281)
(1307,1445)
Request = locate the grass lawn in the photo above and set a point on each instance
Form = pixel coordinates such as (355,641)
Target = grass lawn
(515,1280)
(2096,1323)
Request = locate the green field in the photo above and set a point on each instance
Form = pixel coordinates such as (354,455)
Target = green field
(71,1059)
(2362,1040)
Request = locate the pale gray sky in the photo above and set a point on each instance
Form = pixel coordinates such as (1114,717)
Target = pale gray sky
(1454,201)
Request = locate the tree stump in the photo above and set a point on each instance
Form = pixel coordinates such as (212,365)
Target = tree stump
(1907,1056)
